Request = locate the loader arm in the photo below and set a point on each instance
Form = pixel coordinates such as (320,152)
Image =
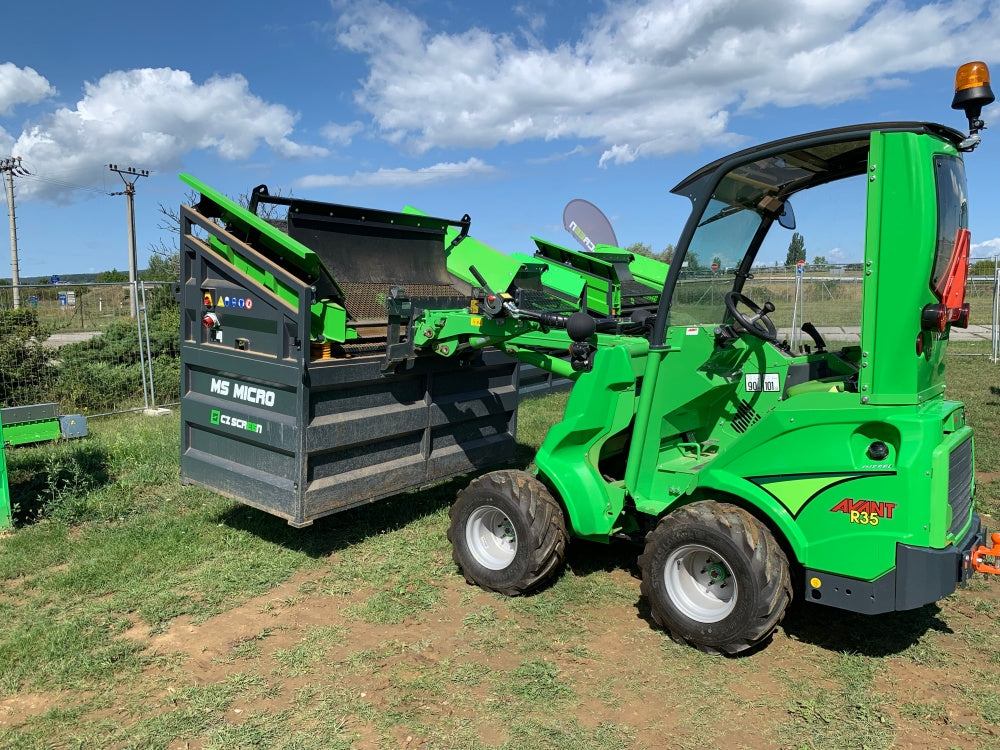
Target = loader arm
(448,332)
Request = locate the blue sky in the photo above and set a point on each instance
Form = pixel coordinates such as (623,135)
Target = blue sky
(505,111)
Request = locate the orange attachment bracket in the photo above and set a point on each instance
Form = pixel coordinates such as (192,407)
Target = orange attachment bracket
(978,553)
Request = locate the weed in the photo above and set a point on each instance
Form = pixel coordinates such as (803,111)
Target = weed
(535,682)
(249,648)
(839,708)
(311,651)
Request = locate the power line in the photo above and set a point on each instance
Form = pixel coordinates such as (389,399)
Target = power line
(64,179)
(33,177)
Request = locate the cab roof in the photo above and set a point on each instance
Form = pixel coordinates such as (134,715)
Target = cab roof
(808,159)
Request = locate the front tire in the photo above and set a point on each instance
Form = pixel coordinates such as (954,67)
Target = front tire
(507,533)
(715,577)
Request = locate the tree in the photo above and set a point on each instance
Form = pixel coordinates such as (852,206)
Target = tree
(640,248)
(983,267)
(796,250)
(113,276)
(819,260)
(692,261)
(170,221)
(163,267)
(666,255)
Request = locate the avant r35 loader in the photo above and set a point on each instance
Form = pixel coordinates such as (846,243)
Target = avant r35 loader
(749,470)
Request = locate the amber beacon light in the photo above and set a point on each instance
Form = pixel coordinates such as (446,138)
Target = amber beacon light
(973,92)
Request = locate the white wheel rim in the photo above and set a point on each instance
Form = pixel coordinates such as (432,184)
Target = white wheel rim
(700,583)
(491,537)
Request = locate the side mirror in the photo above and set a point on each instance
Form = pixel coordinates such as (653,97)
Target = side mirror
(787,216)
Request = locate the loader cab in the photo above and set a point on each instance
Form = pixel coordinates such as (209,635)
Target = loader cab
(893,195)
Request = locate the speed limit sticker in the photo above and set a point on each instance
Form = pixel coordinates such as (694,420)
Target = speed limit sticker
(768,383)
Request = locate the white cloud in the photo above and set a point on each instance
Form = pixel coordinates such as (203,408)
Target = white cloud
(534,20)
(987,248)
(560,156)
(400,177)
(341,135)
(648,77)
(21,86)
(619,154)
(149,118)
(292,150)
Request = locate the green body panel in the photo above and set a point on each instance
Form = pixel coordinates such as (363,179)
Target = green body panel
(615,280)
(562,281)
(901,233)
(603,295)
(497,269)
(32,432)
(6,520)
(600,408)
(645,270)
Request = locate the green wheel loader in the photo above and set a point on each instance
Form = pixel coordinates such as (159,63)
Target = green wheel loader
(350,354)
(753,472)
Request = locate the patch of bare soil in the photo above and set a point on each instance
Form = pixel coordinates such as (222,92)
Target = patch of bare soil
(617,678)
(19,709)
(623,672)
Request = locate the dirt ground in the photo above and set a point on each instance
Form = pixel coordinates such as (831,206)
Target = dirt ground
(623,673)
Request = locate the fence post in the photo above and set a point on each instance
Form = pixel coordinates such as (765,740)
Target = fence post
(995,328)
(140,310)
(149,349)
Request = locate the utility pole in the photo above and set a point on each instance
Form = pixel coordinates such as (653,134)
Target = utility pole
(11,166)
(129,176)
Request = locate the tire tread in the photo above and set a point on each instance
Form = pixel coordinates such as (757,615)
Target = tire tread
(544,518)
(756,541)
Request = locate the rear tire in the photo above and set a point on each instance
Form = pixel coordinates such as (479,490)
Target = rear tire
(715,577)
(507,533)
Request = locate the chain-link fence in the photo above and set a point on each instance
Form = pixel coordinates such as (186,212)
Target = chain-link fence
(82,347)
(828,296)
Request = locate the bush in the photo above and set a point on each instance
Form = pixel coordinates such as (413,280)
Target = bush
(105,373)
(26,371)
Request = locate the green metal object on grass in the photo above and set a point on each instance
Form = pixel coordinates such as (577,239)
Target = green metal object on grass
(23,425)
(6,520)
(30,424)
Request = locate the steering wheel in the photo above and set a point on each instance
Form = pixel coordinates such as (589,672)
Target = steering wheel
(757,323)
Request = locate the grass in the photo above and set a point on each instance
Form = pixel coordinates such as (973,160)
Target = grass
(139,613)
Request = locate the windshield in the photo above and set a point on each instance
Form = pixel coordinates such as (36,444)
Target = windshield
(829,193)
(717,248)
